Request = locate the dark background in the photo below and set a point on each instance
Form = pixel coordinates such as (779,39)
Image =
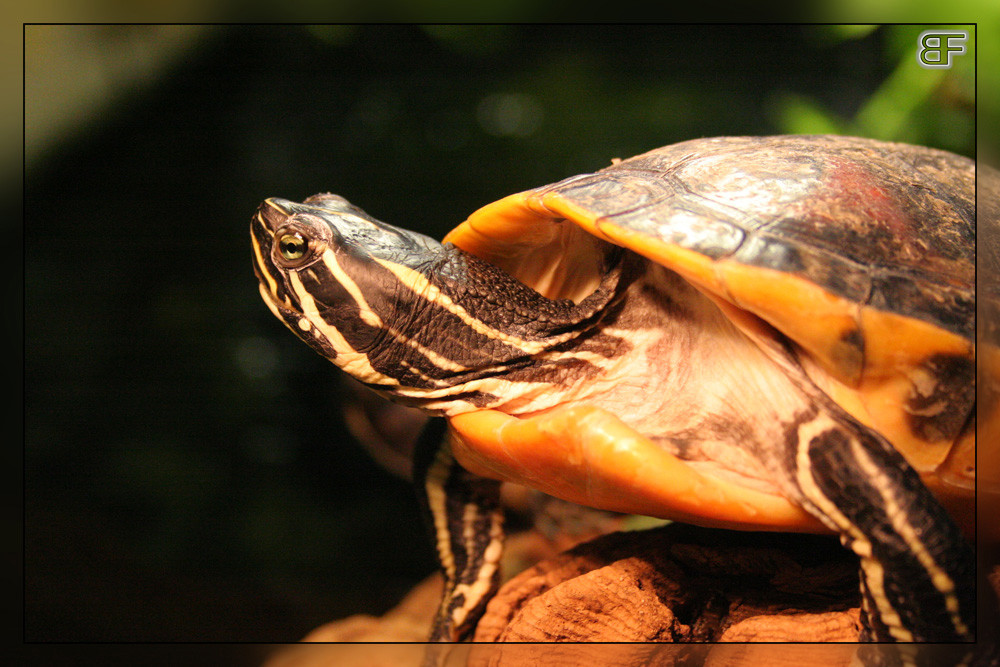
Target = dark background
(187,472)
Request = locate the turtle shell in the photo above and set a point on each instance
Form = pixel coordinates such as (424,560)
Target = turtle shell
(858,252)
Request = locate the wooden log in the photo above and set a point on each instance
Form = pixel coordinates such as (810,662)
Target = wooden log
(683,584)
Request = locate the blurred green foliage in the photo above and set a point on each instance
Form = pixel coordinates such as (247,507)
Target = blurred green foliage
(984,83)
(934,107)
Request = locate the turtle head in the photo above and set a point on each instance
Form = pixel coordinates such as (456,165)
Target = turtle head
(338,277)
(423,322)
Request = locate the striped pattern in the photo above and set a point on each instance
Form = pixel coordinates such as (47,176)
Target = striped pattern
(468,526)
(495,340)
(367,295)
(911,552)
(917,570)
(431,326)
(464,514)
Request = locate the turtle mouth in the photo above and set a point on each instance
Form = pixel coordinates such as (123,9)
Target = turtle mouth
(262,237)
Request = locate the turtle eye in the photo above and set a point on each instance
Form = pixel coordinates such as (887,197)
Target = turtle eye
(292,246)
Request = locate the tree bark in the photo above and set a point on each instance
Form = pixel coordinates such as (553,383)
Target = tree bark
(683,584)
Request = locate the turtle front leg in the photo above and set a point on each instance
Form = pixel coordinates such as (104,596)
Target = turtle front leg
(917,570)
(464,513)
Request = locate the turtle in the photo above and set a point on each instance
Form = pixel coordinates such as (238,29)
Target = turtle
(764,333)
